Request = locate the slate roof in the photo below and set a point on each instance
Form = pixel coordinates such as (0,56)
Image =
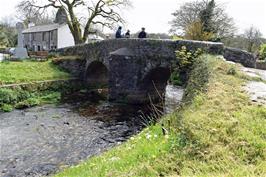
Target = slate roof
(42,28)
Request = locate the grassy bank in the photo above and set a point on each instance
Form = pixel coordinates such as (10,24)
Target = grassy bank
(20,99)
(217,132)
(31,95)
(27,71)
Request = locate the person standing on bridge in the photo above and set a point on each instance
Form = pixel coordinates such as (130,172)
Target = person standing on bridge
(118,33)
(127,35)
(142,34)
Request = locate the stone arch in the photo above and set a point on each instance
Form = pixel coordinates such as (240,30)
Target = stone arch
(97,74)
(154,82)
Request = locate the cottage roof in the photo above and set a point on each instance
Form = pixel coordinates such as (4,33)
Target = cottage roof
(42,28)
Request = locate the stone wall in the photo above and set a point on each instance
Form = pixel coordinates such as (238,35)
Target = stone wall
(135,66)
(261,65)
(72,64)
(240,56)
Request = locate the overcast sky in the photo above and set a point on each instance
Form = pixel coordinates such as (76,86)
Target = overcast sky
(156,14)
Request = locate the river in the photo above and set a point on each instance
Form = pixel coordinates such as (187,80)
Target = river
(39,141)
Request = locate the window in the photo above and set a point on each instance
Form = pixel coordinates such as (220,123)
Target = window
(43,36)
(33,36)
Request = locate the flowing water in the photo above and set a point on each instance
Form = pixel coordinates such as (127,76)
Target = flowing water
(39,141)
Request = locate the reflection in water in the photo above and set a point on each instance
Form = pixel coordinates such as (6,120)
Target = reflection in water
(38,141)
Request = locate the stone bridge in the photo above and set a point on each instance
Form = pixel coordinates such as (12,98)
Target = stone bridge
(135,71)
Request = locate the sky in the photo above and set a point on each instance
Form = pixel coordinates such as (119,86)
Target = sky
(155,15)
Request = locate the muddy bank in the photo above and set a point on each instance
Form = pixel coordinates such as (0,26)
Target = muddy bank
(40,141)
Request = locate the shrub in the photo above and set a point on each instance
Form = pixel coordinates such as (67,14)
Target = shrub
(52,55)
(195,31)
(175,78)
(262,52)
(28,103)
(6,107)
(186,58)
(8,96)
(183,65)
(198,79)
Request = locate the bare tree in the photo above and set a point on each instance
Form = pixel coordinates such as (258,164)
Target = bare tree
(99,12)
(27,15)
(253,36)
(189,13)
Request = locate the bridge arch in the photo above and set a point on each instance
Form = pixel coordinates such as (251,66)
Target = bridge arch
(97,74)
(154,82)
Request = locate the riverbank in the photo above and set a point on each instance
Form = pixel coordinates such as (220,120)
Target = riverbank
(217,132)
(13,72)
(36,90)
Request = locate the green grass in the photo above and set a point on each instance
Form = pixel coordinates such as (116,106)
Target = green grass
(217,132)
(27,71)
(20,99)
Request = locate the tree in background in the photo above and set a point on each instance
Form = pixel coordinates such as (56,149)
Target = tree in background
(27,15)
(8,33)
(206,17)
(99,12)
(195,31)
(212,16)
(253,36)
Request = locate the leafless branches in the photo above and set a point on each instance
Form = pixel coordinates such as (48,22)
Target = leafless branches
(100,12)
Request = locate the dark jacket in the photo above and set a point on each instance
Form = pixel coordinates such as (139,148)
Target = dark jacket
(127,35)
(142,34)
(118,34)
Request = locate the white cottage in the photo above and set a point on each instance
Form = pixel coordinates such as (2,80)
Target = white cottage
(47,37)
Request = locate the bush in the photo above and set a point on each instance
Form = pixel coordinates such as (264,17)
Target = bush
(175,78)
(198,79)
(20,99)
(52,55)
(262,52)
(6,107)
(8,96)
(185,60)
(28,103)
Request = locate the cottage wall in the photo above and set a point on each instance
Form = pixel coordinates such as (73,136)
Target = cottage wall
(65,38)
(39,41)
